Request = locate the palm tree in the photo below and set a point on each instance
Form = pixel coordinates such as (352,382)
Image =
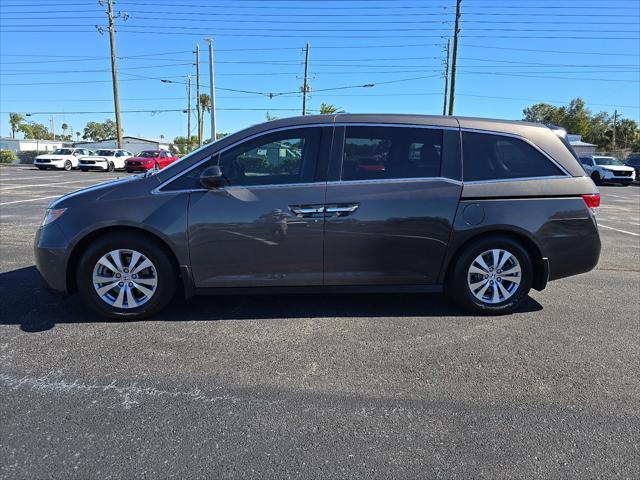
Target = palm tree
(205,104)
(64,127)
(78,136)
(326,108)
(15,119)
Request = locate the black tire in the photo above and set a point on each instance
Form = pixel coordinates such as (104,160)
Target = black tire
(40,167)
(68,165)
(458,287)
(595,176)
(111,167)
(165,269)
(85,170)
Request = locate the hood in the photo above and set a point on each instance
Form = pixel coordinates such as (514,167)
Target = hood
(98,191)
(53,157)
(138,159)
(616,168)
(93,157)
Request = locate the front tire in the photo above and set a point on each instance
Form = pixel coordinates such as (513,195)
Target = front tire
(68,165)
(492,276)
(126,276)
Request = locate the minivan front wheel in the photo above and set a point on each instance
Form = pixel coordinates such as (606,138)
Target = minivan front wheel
(126,277)
(493,276)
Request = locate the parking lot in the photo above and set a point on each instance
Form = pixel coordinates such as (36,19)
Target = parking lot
(319,386)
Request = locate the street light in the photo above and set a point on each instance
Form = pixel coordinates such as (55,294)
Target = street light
(212,93)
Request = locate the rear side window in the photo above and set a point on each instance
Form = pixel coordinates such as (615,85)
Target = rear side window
(372,153)
(498,157)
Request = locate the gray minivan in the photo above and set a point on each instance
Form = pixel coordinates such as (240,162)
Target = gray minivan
(484,209)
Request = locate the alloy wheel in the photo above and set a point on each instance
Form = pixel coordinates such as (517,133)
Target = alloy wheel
(494,276)
(125,278)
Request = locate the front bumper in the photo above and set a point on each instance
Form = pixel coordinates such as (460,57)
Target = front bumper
(50,249)
(93,166)
(50,163)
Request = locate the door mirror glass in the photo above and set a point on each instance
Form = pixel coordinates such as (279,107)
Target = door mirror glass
(211,178)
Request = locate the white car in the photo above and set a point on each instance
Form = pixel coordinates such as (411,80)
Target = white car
(66,158)
(604,169)
(105,159)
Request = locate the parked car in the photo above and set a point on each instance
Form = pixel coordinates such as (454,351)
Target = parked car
(148,160)
(482,209)
(633,161)
(66,158)
(106,159)
(604,169)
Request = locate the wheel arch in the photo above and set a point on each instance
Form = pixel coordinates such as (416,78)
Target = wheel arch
(539,261)
(78,248)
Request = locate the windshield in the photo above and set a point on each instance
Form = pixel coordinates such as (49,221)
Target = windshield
(104,153)
(148,154)
(607,161)
(62,151)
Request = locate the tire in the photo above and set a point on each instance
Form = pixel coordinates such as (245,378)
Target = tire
(85,170)
(68,165)
(462,277)
(114,304)
(40,167)
(595,176)
(111,167)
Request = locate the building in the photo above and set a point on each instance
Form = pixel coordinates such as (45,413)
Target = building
(28,145)
(133,144)
(583,149)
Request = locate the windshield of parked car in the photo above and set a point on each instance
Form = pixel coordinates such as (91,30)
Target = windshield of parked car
(104,153)
(607,161)
(62,151)
(149,154)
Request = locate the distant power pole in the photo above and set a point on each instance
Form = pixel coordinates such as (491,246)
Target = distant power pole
(52,126)
(446,79)
(456,32)
(188,112)
(114,73)
(198,106)
(615,122)
(305,86)
(212,92)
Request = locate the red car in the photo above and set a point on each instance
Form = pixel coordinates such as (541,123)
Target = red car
(148,159)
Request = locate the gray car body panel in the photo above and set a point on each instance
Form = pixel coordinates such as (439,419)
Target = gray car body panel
(404,232)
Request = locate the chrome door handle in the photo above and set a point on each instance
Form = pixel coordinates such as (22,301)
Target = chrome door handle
(307,210)
(342,209)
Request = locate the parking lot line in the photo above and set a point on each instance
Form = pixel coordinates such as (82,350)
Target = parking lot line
(29,200)
(618,230)
(7,177)
(15,187)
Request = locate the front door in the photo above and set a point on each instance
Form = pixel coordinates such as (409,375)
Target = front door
(390,214)
(265,227)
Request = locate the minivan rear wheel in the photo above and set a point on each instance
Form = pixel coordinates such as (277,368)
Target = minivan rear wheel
(124,276)
(492,276)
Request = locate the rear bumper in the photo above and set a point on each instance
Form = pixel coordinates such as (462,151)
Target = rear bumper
(50,248)
(575,250)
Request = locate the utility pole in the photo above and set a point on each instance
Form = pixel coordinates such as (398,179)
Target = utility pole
(188,113)
(198,106)
(212,92)
(305,86)
(615,122)
(114,72)
(456,32)
(446,79)
(52,126)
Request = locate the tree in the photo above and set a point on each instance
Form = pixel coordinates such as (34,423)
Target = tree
(97,131)
(185,145)
(64,127)
(78,136)
(327,108)
(627,134)
(15,119)
(270,117)
(35,131)
(205,105)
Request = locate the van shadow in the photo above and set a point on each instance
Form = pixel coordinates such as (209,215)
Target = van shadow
(25,302)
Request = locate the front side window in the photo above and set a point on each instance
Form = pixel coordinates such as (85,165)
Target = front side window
(148,154)
(277,158)
(372,153)
(498,157)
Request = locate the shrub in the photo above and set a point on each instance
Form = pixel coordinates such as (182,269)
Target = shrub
(26,158)
(7,156)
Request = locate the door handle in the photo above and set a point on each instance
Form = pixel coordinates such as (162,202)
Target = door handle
(342,209)
(306,209)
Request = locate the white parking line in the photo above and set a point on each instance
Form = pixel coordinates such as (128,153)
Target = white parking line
(4,179)
(618,230)
(29,200)
(14,187)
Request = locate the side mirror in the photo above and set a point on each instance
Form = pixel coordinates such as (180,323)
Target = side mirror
(211,178)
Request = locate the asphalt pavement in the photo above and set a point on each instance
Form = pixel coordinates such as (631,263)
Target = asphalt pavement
(319,386)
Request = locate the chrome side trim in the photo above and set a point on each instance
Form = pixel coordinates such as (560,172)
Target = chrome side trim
(228,147)
(395,180)
(521,179)
(519,137)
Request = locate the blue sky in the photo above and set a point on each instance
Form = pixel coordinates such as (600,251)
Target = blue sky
(511,54)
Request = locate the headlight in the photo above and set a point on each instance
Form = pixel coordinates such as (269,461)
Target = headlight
(52,215)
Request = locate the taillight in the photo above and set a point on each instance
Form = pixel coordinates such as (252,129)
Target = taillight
(592,200)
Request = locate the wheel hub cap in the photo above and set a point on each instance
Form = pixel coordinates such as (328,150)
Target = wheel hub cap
(125,278)
(494,276)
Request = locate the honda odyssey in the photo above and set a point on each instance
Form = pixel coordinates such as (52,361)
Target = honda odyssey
(482,209)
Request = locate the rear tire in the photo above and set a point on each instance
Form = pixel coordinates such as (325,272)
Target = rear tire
(160,276)
(498,289)
(111,167)
(85,170)
(40,167)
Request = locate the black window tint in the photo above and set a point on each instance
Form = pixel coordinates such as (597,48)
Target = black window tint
(391,152)
(497,157)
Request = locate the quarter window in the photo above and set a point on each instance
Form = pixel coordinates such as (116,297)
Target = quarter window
(391,152)
(498,157)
